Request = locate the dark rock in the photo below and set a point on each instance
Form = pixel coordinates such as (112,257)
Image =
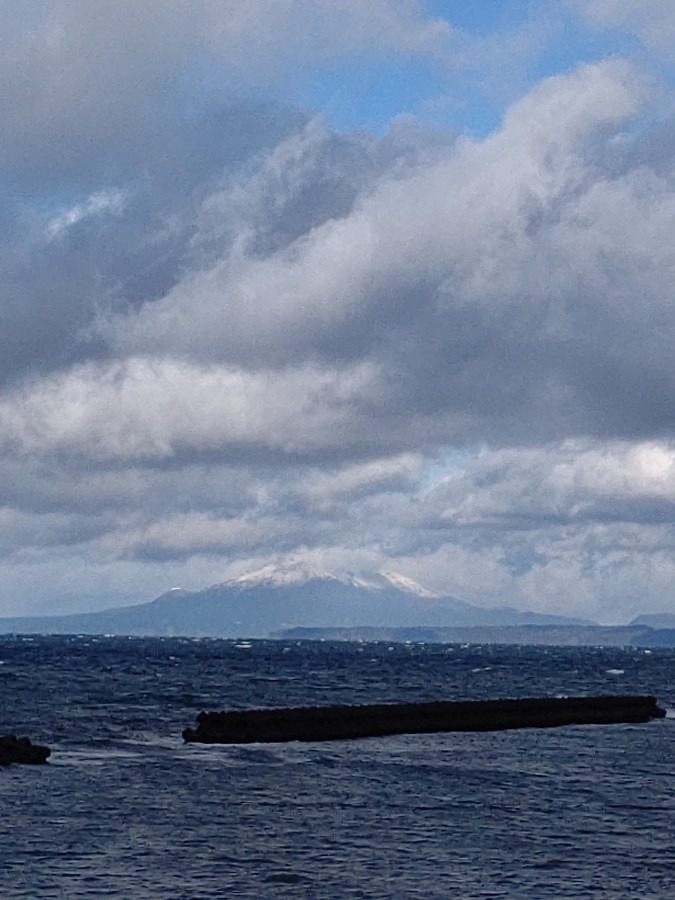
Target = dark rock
(326,723)
(15,749)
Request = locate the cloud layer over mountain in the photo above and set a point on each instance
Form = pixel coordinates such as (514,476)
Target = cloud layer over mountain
(233,331)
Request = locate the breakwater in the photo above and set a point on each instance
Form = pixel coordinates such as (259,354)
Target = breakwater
(327,723)
(15,749)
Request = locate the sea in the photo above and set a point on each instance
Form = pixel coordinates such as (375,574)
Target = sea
(126,809)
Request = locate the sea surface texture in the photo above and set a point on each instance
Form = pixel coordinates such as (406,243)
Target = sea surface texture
(126,809)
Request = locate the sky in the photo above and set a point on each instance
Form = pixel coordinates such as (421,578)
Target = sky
(379,286)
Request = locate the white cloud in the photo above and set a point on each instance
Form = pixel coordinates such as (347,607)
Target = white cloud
(361,479)
(147,409)
(326,275)
(96,204)
(564,484)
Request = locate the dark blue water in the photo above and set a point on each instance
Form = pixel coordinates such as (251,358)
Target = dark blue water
(125,809)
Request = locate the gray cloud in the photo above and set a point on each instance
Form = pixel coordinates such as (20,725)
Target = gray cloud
(85,85)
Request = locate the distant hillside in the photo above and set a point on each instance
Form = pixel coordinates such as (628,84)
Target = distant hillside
(534,635)
(655,620)
(278,597)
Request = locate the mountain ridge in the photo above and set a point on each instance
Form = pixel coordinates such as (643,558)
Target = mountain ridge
(279,596)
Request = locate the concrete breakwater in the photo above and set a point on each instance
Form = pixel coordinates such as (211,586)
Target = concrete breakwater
(327,723)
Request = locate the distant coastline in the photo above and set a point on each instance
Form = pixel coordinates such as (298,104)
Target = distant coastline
(531,635)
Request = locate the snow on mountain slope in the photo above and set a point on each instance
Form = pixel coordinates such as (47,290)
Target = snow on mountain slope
(280,575)
(296,572)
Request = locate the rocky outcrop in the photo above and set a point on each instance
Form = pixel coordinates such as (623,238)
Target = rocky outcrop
(15,749)
(340,722)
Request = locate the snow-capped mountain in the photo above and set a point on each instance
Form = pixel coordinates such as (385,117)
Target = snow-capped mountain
(284,574)
(282,596)
(296,572)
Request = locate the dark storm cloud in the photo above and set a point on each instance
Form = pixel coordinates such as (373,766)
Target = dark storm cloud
(105,98)
(123,245)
